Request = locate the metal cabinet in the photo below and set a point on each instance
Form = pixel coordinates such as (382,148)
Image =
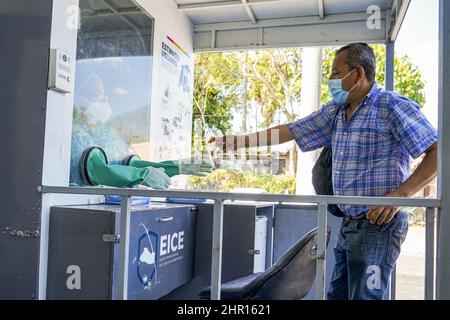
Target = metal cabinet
(241,226)
(83,255)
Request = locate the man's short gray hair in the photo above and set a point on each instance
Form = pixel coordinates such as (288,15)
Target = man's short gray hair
(360,54)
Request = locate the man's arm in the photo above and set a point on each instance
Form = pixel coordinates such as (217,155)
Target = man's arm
(422,176)
(310,133)
(273,136)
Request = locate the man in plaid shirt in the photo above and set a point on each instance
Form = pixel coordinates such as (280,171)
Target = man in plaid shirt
(375,134)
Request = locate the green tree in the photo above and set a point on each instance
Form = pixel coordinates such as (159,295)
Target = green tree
(215,95)
(275,81)
(272,79)
(407,76)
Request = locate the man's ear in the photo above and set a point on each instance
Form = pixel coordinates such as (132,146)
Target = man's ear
(361,73)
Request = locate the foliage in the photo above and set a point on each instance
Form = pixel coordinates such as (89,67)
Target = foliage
(275,81)
(274,77)
(229,81)
(214,93)
(226,180)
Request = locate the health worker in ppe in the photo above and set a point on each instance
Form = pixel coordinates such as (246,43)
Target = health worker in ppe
(93,138)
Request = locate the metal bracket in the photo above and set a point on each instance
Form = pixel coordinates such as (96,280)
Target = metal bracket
(254,252)
(111,238)
(167,219)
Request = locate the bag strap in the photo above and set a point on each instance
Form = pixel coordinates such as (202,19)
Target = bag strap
(335,117)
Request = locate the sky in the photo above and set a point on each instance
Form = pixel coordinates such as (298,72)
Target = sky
(418,39)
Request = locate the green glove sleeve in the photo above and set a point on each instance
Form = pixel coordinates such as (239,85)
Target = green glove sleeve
(170,167)
(115,175)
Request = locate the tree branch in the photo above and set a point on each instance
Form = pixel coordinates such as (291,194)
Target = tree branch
(281,74)
(257,76)
(294,80)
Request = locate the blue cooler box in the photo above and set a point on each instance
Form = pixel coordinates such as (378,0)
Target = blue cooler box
(83,257)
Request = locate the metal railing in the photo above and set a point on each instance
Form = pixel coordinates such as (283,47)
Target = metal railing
(432,207)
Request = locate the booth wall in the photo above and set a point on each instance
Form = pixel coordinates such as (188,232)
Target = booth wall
(55,160)
(25,35)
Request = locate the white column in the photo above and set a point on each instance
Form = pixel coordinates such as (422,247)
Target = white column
(58,130)
(310,101)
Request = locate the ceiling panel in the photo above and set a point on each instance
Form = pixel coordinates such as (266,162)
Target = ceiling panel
(181,2)
(233,24)
(235,13)
(350,6)
(216,11)
(285,9)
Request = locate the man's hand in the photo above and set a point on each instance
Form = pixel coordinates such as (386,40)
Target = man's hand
(384,214)
(226,143)
(270,137)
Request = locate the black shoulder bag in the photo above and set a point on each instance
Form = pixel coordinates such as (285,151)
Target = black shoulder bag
(322,175)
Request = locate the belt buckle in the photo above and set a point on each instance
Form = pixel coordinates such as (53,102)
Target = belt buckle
(361,216)
(358,217)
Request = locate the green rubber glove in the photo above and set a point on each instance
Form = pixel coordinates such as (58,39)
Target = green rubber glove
(156,178)
(171,169)
(101,173)
(195,166)
(189,166)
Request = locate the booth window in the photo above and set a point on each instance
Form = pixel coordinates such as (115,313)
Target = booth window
(113,81)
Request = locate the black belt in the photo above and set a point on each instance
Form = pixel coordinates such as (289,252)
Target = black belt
(358,217)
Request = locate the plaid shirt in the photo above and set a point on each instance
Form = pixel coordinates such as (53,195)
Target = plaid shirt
(371,150)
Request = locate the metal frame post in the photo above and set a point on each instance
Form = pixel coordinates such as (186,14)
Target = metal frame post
(216,264)
(389,84)
(430,253)
(389,66)
(392,284)
(124,246)
(321,252)
(443,243)
(284,198)
(218,198)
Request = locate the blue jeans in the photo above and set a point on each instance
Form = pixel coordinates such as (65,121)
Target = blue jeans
(365,257)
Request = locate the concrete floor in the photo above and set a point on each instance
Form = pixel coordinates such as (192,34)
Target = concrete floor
(411,266)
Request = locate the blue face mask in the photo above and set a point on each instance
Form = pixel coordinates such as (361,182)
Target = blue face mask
(335,86)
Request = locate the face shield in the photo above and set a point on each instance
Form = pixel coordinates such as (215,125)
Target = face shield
(97,109)
(90,98)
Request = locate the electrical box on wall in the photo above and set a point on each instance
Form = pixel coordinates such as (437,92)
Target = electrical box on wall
(60,71)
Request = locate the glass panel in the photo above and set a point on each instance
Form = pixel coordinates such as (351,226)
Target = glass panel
(113,81)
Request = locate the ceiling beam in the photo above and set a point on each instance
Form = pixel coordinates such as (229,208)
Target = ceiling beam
(399,19)
(221,4)
(394,8)
(249,11)
(282,22)
(209,5)
(321,11)
(333,34)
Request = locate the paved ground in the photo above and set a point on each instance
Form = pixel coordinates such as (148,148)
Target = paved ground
(411,266)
